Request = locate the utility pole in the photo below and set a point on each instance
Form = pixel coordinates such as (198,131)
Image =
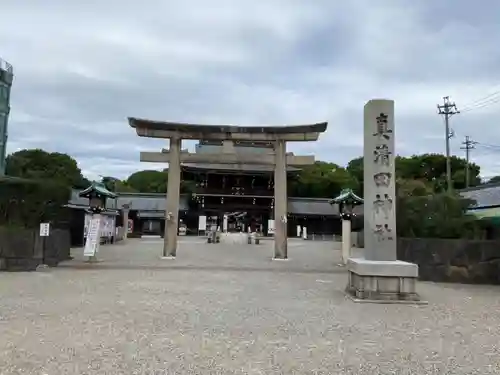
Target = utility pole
(448,109)
(469,145)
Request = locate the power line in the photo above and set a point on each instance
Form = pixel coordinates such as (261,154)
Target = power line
(489,146)
(469,145)
(482,102)
(448,109)
(477,101)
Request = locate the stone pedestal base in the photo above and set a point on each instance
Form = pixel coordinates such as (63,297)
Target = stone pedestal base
(382,281)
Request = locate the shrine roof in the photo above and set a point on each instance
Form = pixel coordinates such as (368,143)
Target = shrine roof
(347,195)
(204,131)
(98,188)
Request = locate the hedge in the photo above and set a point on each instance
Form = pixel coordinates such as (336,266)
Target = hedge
(27,203)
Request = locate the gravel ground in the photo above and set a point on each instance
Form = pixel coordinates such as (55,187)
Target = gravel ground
(220,309)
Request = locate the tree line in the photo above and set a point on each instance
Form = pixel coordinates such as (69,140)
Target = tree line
(424,207)
(426,173)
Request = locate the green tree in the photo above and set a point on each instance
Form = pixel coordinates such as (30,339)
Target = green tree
(430,168)
(42,165)
(356,170)
(148,181)
(413,188)
(321,180)
(440,215)
(116,185)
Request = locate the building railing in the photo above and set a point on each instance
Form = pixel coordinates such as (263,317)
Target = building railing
(235,191)
(4,65)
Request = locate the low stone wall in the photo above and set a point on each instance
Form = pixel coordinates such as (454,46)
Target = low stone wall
(453,260)
(23,249)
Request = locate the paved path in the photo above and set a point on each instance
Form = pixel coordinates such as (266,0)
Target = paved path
(231,310)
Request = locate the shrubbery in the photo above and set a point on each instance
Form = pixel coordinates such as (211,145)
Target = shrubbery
(436,216)
(27,203)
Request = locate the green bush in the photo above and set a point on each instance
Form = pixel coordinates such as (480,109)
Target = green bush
(27,203)
(436,216)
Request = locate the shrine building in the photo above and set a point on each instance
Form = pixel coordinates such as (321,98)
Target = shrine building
(244,194)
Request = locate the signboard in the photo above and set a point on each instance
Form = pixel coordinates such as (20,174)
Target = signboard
(107,226)
(130,226)
(44,229)
(93,237)
(270,227)
(202,223)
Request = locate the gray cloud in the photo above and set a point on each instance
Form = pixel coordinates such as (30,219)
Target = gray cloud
(82,68)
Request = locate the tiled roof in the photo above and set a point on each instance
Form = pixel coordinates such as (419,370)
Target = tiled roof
(156,203)
(312,206)
(149,202)
(485,195)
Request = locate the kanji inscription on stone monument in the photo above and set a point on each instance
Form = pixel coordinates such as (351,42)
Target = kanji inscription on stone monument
(379,275)
(379,156)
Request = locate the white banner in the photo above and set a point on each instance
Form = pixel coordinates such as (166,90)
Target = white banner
(93,237)
(88,217)
(112,229)
(202,223)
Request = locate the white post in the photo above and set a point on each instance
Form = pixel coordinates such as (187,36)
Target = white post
(298,231)
(304,233)
(270,227)
(125,212)
(346,240)
(202,224)
(224,224)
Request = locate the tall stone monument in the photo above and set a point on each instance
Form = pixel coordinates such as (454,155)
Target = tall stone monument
(379,275)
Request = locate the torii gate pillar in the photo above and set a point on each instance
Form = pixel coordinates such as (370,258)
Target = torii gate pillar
(280,202)
(173,197)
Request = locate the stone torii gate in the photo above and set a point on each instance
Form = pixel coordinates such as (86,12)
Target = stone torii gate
(278,158)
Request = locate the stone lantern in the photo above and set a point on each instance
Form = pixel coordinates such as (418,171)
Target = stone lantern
(97,194)
(346,202)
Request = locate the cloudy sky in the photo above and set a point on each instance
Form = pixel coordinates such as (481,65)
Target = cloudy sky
(81,68)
